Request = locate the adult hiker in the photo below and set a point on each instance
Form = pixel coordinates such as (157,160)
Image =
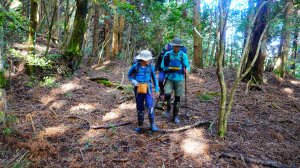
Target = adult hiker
(140,75)
(161,74)
(175,64)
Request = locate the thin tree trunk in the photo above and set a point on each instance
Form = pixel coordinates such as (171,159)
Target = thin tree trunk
(51,26)
(198,60)
(222,123)
(295,44)
(107,35)
(209,39)
(33,24)
(3,104)
(285,40)
(121,29)
(96,30)
(212,54)
(115,39)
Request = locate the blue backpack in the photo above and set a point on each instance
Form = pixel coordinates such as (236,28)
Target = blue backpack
(167,48)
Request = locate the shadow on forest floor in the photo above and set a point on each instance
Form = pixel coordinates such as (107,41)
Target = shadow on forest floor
(263,124)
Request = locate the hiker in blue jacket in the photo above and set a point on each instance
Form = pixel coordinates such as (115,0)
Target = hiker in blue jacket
(140,75)
(161,74)
(175,64)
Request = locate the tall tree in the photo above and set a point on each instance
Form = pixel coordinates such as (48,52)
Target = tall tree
(96,29)
(226,105)
(260,24)
(115,38)
(2,72)
(106,34)
(285,40)
(121,29)
(198,60)
(295,43)
(54,14)
(72,53)
(33,23)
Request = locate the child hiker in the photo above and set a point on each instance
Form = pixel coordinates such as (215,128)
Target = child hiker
(140,75)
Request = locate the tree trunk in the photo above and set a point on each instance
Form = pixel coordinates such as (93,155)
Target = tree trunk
(256,72)
(121,29)
(33,24)
(198,60)
(212,54)
(115,39)
(51,26)
(96,30)
(72,53)
(222,123)
(106,35)
(285,40)
(295,44)
(209,39)
(2,77)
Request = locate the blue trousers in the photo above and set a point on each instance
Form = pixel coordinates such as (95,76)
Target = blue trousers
(143,100)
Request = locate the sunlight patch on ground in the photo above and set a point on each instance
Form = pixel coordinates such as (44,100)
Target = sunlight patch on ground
(127,106)
(91,135)
(58,104)
(111,115)
(54,131)
(82,109)
(294,82)
(288,90)
(196,79)
(69,87)
(195,145)
(47,99)
(103,66)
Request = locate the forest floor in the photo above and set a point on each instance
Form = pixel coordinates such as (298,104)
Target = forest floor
(53,124)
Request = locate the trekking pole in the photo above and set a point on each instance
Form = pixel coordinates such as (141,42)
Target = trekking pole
(186,102)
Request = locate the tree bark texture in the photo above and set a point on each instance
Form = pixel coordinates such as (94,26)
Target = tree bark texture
(73,50)
(257,71)
(285,40)
(33,24)
(198,60)
(96,30)
(115,38)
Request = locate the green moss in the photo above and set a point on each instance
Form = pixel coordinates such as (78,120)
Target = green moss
(3,81)
(105,82)
(208,96)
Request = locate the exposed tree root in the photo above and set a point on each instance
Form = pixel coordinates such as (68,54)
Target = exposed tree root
(269,163)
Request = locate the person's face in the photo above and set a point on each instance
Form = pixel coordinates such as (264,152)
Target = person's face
(145,62)
(176,49)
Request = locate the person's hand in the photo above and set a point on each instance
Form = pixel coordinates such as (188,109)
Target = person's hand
(186,71)
(155,94)
(134,82)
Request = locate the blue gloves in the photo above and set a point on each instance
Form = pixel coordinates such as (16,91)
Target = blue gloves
(134,82)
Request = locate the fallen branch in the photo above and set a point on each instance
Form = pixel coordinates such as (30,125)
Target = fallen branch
(269,163)
(196,124)
(120,160)
(109,126)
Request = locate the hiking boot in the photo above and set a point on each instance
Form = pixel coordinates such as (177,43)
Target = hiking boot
(167,112)
(140,122)
(175,113)
(153,127)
